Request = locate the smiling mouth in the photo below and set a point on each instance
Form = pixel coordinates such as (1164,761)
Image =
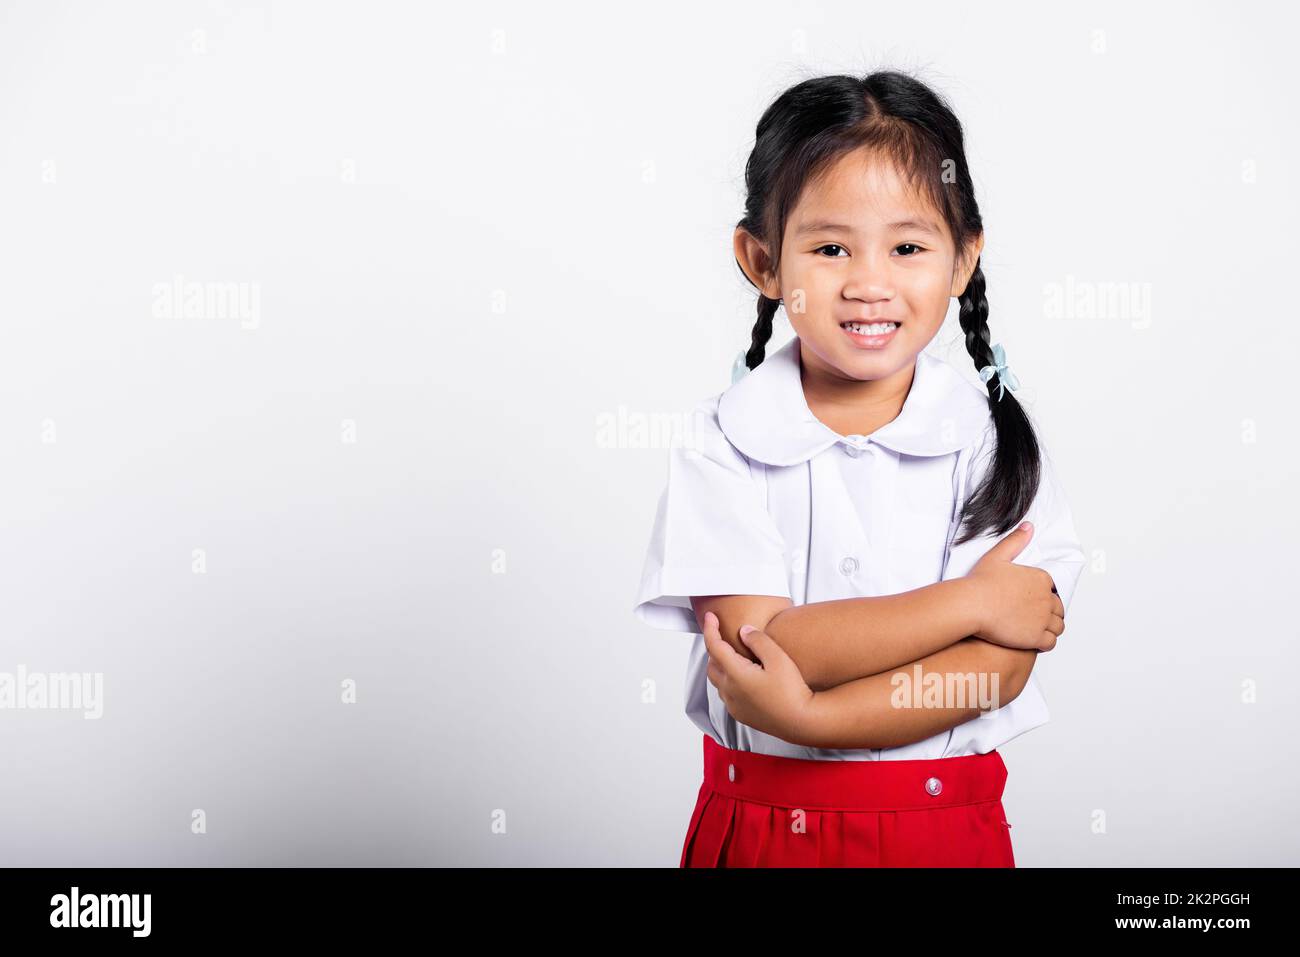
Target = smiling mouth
(870,328)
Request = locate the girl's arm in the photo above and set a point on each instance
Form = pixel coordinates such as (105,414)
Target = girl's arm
(841,641)
(865,713)
(837,641)
(833,642)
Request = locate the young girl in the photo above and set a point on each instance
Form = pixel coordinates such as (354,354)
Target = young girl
(853,502)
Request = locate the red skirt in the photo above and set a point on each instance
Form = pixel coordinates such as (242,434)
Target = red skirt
(759,810)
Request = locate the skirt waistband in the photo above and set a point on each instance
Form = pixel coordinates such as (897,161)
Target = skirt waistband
(853,785)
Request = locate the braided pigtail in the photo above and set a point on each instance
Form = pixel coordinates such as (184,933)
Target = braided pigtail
(1009,486)
(762,331)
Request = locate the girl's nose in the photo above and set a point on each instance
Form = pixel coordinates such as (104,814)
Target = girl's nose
(870,280)
(871,289)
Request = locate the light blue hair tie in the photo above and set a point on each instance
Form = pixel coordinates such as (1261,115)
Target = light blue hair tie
(999,368)
(738,368)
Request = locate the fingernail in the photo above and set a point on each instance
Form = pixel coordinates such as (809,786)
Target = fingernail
(746,629)
(1026,526)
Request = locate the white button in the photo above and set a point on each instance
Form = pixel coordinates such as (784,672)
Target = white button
(934,785)
(731,772)
(849,565)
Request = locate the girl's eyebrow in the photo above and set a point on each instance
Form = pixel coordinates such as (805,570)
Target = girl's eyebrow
(826,226)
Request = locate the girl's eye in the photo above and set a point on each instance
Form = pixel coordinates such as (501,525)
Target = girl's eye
(901,246)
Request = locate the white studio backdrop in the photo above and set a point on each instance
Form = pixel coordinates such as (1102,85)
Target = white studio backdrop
(315,321)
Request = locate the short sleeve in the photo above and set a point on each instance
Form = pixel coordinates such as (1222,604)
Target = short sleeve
(1054,546)
(713,534)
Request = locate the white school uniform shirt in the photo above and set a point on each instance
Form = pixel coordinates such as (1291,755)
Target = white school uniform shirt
(763,498)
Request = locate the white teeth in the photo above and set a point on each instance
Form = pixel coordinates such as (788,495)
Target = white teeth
(873,329)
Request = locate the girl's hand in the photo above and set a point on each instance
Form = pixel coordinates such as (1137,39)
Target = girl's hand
(770,694)
(1019,606)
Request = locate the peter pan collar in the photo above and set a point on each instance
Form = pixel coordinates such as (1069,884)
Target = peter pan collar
(766,416)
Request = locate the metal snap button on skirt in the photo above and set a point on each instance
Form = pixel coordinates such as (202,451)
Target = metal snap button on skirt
(760,810)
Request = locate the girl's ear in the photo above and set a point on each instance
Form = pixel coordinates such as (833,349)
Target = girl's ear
(966,264)
(754,258)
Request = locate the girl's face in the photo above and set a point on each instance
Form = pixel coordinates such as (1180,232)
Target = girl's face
(861,248)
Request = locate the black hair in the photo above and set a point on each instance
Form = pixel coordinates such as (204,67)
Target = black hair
(899,118)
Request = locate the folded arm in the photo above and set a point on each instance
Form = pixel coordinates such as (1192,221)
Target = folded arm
(833,642)
(881,711)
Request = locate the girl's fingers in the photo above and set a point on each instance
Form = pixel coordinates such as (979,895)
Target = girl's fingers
(767,651)
(721,654)
(1057,606)
(1056,625)
(1048,643)
(712,636)
(713,641)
